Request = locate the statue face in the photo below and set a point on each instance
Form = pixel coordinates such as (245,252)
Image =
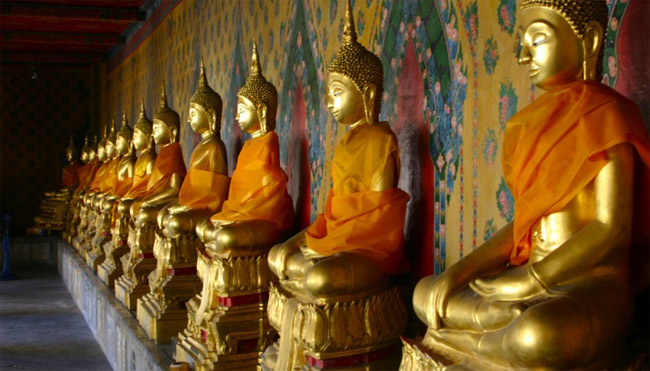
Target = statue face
(122,146)
(199,119)
(344,100)
(550,50)
(69,156)
(140,139)
(247,116)
(91,155)
(162,134)
(111,151)
(101,153)
(84,157)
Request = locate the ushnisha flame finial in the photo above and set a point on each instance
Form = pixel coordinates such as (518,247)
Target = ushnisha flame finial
(349,29)
(256,68)
(143,124)
(125,130)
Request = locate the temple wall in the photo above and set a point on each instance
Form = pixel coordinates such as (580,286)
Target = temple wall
(451,82)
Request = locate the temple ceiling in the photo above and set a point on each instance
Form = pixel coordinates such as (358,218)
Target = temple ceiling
(66,31)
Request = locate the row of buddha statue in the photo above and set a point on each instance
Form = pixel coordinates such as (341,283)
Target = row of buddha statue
(213,261)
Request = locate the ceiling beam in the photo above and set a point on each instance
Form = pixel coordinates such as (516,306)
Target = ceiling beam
(69,12)
(49,58)
(60,38)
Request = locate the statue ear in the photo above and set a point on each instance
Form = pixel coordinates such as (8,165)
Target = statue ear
(212,117)
(593,39)
(369,95)
(174,134)
(261,114)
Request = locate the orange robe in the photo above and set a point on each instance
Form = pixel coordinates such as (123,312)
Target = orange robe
(556,146)
(123,186)
(84,173)
(100,174)
(258,187)
(110,180)
(140,179)
(204,189)
(168,163)
(70,175)
(356,219)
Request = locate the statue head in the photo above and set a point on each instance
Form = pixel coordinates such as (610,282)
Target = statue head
(84,151)
(205,107)
(124,137)
(561,40)
(166,122)
(92,150)
(355,79)
(101,146)
(111,150)
(71,153)
(142,132)
(257,100)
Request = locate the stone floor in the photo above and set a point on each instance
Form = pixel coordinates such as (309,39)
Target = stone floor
(41,328)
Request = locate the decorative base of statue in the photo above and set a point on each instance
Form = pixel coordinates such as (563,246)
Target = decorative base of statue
(114,250)
(234,329)
(361,333)
(162,311)
(432,354)
(137,265)
(96,255)
(416,356)
(160,322)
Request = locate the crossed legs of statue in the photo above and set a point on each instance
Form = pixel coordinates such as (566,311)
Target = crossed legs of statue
(573,323)
(326,277)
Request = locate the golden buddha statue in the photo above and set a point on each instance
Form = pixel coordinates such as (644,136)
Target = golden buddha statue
(553,289)
(79,211)
(101,208)
(162,189)
(54,204)
(227,325)
(335,304)
(82,242)
(108,270)
(83,173)
(162,311)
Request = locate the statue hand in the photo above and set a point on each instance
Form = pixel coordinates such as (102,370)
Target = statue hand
(515,284)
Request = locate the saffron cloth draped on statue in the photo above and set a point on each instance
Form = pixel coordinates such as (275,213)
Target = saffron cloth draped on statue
(557,145)
(100,174)
(204,189)
(139,182)
(70,175)
(168,162)
(110,180)
(357,219)
(86,173)
(258,186)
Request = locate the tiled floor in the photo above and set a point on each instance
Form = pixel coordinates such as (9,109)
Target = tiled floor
(41,328)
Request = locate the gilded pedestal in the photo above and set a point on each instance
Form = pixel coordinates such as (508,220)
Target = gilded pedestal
(95,255)
(137,265)
(314,334)
(162,311)
(111,268)
(235,328)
